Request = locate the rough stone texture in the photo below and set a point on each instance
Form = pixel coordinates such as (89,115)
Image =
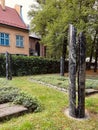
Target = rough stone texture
(81,76)
(8,66)
(72,71)
(86,117)
(62,66)
(7,70)
(8,110)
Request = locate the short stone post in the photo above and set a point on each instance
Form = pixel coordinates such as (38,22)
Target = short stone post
(81,76)
(62,66)
(72,71)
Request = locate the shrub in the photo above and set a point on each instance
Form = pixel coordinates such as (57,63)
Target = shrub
(2,65)
(22,65)
(8,94)
(33,65)
(14,95)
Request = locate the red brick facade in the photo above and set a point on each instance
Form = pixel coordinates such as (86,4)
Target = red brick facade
(35,48)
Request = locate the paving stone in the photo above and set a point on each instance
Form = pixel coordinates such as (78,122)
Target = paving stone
(8,110)
(90,91)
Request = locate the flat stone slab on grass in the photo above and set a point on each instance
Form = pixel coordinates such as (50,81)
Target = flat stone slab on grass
(8,110)
(90,91)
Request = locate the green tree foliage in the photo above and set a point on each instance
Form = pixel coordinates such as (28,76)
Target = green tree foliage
(51,18)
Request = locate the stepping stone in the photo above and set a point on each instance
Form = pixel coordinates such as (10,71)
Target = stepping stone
(8,110)
(90,91)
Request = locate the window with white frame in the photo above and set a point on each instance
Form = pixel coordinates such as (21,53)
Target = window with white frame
(4,39)
(19,41)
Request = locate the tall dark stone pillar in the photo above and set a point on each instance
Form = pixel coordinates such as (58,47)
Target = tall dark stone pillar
(10,67)
(81,76)
(7,66)
(72,71)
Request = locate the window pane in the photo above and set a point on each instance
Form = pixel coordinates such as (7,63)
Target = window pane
(17,37)
(2,34)
(4,39)
(19,41)
(7,42)
(6,36)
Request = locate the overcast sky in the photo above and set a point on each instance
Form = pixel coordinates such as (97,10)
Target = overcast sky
(26,7)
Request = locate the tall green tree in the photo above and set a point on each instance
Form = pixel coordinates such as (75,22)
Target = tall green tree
(51,18)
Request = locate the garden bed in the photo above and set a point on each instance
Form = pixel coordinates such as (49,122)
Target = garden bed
(63,81)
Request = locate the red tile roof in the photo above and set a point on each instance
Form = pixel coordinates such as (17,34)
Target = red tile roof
(11,17)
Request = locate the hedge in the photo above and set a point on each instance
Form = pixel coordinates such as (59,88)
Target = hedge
(23,65)
(2,65)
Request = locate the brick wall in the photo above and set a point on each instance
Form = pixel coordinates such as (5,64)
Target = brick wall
(32,44)
(12,36)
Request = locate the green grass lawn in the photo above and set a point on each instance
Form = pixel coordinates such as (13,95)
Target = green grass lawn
(52,116)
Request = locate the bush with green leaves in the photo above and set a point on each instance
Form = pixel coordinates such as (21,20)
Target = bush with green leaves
(16,96)
(23,65)
(2,65)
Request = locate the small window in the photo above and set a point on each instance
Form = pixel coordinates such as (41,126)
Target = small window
(4,39)
(19,41)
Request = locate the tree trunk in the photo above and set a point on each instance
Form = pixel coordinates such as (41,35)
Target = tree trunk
(81,76)
(92,51)
(96,58)
(72,71)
